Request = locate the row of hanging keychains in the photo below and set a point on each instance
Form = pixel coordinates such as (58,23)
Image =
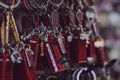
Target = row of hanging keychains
(38,41)
(65,35)
(16,60)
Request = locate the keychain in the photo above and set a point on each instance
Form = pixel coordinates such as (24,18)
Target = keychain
(29,56)
(28,72)
(52,58)
(7,61)
(64,58)
(6,67)
(98,42)
(16,57)
(53,44)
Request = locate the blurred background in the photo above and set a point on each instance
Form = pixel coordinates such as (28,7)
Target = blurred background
(109,26)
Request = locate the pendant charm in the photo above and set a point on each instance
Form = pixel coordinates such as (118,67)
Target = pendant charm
(85,35)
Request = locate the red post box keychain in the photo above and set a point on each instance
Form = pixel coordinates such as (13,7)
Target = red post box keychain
(6,71)
(37,43)
(7,67)
(98,44)
(29,70)
(72,39)
(82,38)
(64,53)
(54,55)
(34,42)
(100,51)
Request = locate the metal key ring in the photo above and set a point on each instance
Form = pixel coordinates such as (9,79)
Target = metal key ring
(43,10)
(51,77)
(27,46)
(36,4)
(10,7)
(36,31)
(31,2)
(74,74)
(85,69)
(57,34)
(56,4)
(27,6)
(12,2)
(41,6)
(8,2)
